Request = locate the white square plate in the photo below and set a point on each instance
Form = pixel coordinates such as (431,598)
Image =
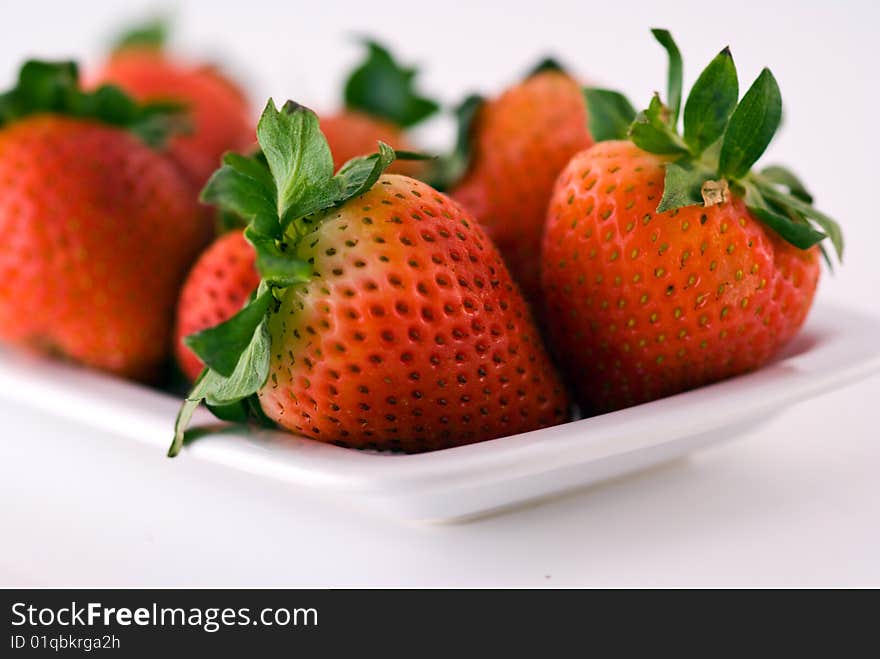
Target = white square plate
(836,347)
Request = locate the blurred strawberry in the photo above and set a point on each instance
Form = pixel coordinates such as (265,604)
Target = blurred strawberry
(517,144)
(219,110)
(98,226)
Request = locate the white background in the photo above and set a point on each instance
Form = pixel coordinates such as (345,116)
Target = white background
(795,503)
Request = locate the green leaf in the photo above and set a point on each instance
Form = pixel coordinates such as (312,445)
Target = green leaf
(48,86)
(254,167)
(791,203)
(150,34)
(53,87)
(250,372)
(112,104)
(465,115)
(156,122)
(783,176)
(412,155)
(450,168)
(651,131)
(190,405)
(799,234)
(383,88)
(298,157)
(153,123)
(243,411)
(826,257)
(243,186)
(683,185)
(237,412)
(722,141)
(220,347)
(546,64)
(610,114)
(359,174)
(221,392)
(291,177)
(267,225)
(226,221)
(674,75)
(751,127)
(831,228)
(275,266)
(710,103)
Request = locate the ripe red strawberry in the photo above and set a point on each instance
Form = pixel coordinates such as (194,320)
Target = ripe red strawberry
(351,133)
(381,103)
(216,288)
(99,228)
(519,142)
(225,276)
(666,263)
(385,318)
(219,111)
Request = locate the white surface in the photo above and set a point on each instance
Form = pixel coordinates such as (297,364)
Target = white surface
(835,348)
(793,503)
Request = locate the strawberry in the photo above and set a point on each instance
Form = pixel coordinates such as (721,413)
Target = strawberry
(216,288)
(224,277)
(351,133)
(667,263)
(380,105)
(219,110)
(384,318)
(99,227)
(518,143)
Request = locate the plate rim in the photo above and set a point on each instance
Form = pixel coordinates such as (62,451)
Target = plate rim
(843,350)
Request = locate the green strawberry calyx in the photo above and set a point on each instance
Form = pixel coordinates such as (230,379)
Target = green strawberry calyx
(151,34)
(54,87)
(549,63)
(451,167)
(283,192)
(382,87)
(721,140)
